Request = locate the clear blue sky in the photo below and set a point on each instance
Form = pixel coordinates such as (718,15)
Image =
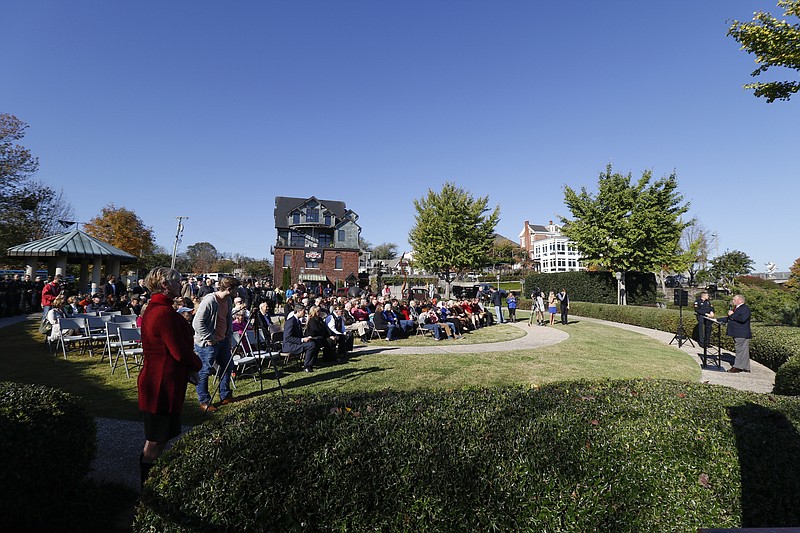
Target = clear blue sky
(211,109)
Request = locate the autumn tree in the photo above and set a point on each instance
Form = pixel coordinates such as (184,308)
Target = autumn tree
(627,226)
(793,283)
(202,256)
(122,228)
(775,43)
(453,231)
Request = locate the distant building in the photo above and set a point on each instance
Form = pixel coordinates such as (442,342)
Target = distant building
(318,240)
(548,249)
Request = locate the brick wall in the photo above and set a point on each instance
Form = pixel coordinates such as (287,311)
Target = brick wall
(327,266)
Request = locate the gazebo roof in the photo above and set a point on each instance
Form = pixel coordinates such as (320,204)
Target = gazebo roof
(74,244)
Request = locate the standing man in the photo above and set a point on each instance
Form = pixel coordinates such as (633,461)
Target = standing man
(497,301)
(114,288)
(213,327)
(49,293)
(295,343)
(739,329)
(564,299)
(206,288)
(703,308)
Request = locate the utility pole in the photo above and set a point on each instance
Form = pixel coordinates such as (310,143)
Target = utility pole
(178,233)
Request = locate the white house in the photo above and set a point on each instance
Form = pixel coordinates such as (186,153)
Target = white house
(549,250)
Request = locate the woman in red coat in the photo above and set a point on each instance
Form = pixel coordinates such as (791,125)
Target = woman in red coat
(169,360)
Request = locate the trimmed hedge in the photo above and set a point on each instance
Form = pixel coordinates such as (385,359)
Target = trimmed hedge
(597,287)
(49,442)
(787,378)
(771,346)
(634,455)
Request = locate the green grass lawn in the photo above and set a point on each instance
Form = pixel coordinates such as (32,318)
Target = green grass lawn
(592,351)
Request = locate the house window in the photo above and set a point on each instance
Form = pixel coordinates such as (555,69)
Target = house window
(298,239)
(340,235)
(287,260)
(312,263)
(327,220)
(339,262)
(295,218)
(325,240)
(312,215)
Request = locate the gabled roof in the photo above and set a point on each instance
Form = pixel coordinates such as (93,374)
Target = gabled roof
(73,244)
(534,228)
(285,205)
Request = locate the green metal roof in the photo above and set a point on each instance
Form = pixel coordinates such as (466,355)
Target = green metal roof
(73,244)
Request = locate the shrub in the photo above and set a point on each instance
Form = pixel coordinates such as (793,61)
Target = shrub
(583,456)
(49,442)
(787,378)
(771,346)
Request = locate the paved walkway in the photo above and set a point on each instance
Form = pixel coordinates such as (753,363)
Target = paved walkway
(119,442)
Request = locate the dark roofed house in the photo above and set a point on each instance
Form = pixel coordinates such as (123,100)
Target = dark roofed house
(317,241)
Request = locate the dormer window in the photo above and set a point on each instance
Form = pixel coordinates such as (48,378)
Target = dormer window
(312,214)
(327,220)
(295,218)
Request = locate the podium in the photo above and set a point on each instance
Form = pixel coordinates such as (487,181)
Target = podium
(715,358)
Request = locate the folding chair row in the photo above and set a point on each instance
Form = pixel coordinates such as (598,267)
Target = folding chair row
(129,345)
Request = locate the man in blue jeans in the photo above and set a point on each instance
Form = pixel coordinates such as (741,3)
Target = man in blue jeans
(213,327)
(496,297)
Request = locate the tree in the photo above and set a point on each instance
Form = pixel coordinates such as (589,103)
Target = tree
(364,244)
(452,231)
(122,228)
(729,266)
(627,226)
(28,209)
(775,43)
(202,255)
(385,250)
(793,283)
(694,248)
(257,268)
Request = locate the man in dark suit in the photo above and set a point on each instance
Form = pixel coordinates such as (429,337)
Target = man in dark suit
(739,329)
(114,288)
(295,343)
(564,299)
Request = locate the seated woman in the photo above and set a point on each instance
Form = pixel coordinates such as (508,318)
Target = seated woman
(320,334)
(384,323)
(57,311)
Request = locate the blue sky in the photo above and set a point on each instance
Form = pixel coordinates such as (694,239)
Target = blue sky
(211,109)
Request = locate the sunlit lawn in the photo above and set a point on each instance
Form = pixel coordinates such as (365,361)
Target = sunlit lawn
(592,351)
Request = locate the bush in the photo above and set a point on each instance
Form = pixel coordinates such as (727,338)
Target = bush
(584,456)
(787,378)
(596,287)
(49,442)
(771,346)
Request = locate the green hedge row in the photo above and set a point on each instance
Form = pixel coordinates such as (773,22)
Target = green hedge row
(637,455)
(48,441)
(772,346)
(597,287)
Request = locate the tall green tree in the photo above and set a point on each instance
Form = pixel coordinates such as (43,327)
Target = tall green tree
(627,226)
(384,250)
(775,43)
(453,231)
(729,266)
(793,283)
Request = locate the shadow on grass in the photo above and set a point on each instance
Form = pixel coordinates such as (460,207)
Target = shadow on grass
(768,446)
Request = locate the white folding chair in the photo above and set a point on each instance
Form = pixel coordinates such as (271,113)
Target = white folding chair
(129,345)
(77,335)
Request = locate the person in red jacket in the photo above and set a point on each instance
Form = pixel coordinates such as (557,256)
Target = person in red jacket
(49,293)
(169,362)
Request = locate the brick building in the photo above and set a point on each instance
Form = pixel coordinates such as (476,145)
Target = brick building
(317,242)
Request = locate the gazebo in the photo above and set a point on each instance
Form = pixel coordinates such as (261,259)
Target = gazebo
(73,247)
